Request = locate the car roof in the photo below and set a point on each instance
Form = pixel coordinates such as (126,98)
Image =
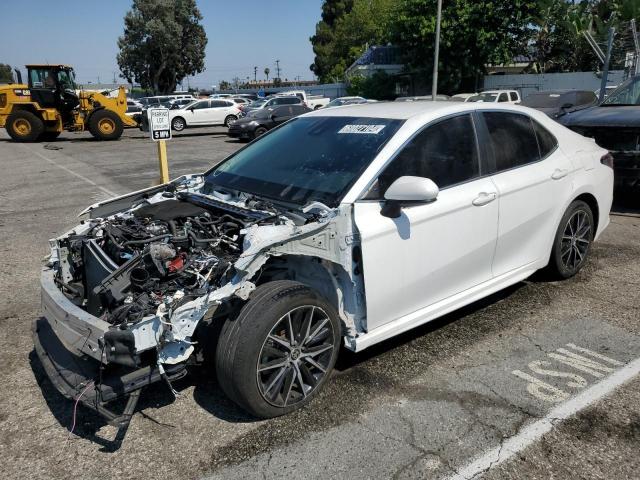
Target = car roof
(407,110)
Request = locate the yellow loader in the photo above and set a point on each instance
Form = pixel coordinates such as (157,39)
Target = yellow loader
(52,103)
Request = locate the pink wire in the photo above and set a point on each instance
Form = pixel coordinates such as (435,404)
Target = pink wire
(75,407)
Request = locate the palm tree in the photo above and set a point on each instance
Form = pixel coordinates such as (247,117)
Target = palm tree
(267,72)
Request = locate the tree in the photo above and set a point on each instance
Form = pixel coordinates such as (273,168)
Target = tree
(224,85)
(6,75)
(341,39)
(474,33)
(322,41)
(266,73)
(379,86)
(163,42)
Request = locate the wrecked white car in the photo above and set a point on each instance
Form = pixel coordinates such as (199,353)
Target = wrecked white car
(345,226)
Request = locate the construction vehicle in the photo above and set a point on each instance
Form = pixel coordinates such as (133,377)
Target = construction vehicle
(52,103)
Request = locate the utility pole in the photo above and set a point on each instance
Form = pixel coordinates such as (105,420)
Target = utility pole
(277,68)
(434,88)
(636,43)
(255,74)
(605,68)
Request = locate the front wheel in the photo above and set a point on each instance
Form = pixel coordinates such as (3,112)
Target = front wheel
(178,124)
(105,125)
(573,240)
(259,132)
(278,352)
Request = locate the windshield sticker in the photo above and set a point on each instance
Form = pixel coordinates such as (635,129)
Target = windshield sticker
(370,129)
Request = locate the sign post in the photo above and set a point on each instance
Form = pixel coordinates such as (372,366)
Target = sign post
(160,129)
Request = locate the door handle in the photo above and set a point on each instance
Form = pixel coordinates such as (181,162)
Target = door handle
(559,173)
(484,198)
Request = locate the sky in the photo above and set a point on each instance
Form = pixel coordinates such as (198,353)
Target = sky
(242,34)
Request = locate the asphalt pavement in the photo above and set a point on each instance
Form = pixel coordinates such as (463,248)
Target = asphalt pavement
(538,381)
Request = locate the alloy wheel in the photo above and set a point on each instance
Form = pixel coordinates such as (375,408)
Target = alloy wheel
(295,356)
(576,239)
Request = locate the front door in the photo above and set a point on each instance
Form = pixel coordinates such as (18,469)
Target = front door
(432,251)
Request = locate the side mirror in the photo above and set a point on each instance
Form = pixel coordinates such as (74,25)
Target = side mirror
(407,191)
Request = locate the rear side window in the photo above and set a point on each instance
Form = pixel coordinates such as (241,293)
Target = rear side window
(503,97)
(513,96)
(546,141)
(445,152)
(513,139)
(218,103)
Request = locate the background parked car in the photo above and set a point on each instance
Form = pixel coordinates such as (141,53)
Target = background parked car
(314,102)
(204,113)
(340,101)
(462,97)
(133,108)
(422,98)
(615,125)
(556,103)
(264,120)
(498,96)
(179,103)
(271,102)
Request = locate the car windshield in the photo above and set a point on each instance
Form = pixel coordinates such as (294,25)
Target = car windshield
(307,159)
(626,94)
(543,100)
(484,97)
(336,103)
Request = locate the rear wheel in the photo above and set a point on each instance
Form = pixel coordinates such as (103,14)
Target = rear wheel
(278,352)
(229,119)
(24,126)
(573,240)
(105,125)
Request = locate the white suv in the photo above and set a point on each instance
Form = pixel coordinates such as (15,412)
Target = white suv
(204,113)
(344,226)
(496,96)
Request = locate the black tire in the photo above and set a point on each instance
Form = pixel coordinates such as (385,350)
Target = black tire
(178,124)
(258,132)
(49,136)
(229,119)
(245,346)
(24,126)
(105,125)
(572,242)
(317,107)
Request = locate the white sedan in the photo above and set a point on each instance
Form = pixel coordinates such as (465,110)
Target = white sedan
(343,226)
(204,113)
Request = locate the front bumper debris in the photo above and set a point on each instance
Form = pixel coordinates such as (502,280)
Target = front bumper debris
(72,373)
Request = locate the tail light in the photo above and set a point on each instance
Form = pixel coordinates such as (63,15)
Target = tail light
(607,160)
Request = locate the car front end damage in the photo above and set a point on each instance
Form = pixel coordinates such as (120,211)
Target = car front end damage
(124,292)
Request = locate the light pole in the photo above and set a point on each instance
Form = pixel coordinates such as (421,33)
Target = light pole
(434,88)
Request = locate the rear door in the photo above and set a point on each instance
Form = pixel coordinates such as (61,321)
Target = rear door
(532,176)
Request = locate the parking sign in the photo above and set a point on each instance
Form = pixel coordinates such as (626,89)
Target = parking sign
(159,125)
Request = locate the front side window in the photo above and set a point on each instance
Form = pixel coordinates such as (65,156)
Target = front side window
(201,105)
(513,96)
(307,159)
(446,153)
(42,78)
(503,97)
(512,139)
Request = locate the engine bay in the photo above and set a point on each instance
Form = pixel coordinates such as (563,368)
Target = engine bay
(156,256)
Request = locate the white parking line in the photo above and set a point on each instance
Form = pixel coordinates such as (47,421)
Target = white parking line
(532,432)
(75,174)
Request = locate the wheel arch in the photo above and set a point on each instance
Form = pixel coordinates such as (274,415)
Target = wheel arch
(590,200)
(328,278)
